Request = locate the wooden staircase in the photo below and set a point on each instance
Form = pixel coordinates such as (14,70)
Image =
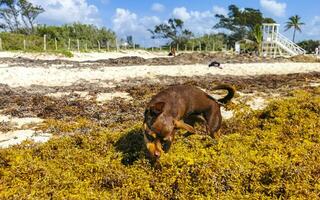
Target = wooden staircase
(275,44)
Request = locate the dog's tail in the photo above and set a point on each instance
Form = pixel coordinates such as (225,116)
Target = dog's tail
(231,91)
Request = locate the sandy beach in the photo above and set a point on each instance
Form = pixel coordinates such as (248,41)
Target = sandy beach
(57,76)
(79,56)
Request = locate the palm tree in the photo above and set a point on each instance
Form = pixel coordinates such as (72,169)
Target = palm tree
(258,37)
(295,23)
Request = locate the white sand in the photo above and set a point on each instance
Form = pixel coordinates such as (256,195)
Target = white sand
(85,56)
(103,97)
(226,114)
(16,137)
(20,122)
(314,84)
(107,55)
(100,97)
(82,94)
(58,94)
(257,103)
(53,76)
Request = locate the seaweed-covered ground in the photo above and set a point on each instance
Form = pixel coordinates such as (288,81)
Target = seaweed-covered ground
(180,59)
(92,142)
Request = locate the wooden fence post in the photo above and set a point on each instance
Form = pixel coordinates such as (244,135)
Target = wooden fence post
(78,45)
(24,44)
(108,46)
(69,44)
(99,45)
(56,43)
(117,45)
(45,42)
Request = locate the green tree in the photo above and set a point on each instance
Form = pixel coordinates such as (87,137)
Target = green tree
(89,34)
(295,23)
(9,13)
(12,12)
(241,23)
(258,37)
(29,13)
(130,40)
(309,45)
(173,30)
(215,42)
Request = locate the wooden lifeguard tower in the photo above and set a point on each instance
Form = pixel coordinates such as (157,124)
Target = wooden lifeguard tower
(275,44)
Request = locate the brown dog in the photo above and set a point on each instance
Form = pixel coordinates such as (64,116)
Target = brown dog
(168,110)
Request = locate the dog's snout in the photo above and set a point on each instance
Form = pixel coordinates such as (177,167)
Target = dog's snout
(157,154)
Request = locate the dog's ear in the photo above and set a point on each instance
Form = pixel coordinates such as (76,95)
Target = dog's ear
(157,108)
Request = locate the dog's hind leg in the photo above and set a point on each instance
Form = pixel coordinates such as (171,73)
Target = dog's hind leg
(213,118)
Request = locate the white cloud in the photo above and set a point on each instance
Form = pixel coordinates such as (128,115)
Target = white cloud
(124,21)
(220,10)
(127,23)
(276,8)
(68,11)
(149,21)
(181,13)
(105,1)
(199,22)
(158,7)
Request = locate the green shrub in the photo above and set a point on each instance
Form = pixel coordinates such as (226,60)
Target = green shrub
(269,154)
(66,53)
(12,41)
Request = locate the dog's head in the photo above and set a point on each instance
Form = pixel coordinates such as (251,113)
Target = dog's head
(159,129)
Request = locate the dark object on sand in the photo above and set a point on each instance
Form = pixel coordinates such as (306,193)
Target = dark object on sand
(172,52)
(215,64)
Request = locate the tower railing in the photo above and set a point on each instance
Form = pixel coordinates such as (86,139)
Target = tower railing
(288,45)
(276,44)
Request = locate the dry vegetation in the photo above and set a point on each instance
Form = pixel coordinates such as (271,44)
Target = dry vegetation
(180,59)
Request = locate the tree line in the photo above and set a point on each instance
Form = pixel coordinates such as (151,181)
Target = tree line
(18,22)
(18,17)
(240,23)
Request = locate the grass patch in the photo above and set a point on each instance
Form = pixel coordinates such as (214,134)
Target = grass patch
(267,154)
(66,53)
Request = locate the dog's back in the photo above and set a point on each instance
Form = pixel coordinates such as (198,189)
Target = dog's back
(183,99)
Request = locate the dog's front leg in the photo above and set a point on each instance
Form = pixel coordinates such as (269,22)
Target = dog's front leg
(182,125)
(168,141)
(217,134)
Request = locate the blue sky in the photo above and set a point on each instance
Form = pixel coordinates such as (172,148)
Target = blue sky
(134,17)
